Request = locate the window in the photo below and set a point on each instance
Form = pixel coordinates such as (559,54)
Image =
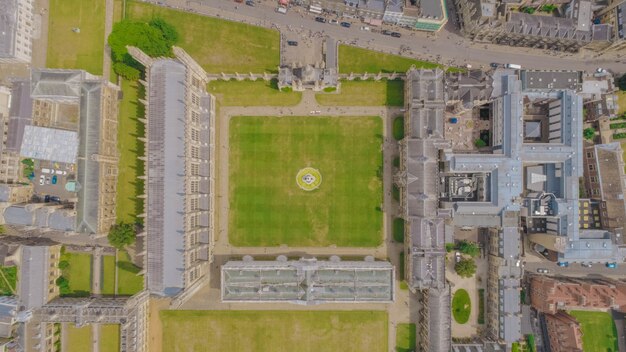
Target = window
(592,167)
(589,155)
(194,135)
(194,186)
(195,153)
(195,169)
(195,116)
(593,179)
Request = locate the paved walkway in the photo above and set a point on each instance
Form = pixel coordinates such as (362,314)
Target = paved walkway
(96,272)
(108,26)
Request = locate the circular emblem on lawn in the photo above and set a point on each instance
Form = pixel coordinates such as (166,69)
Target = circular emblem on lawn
(309,178)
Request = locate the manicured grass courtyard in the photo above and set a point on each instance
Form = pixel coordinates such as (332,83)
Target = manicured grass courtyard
(108,275)
(67,49)
(267,208)
(353,59)
(217,45)
(109,338)
(405,337)
(599,331)
(274,331)
(128,282)
(8,280)
(365,93)
(461,306)
(78,273)
(78,339)
(252,93)
(130,148)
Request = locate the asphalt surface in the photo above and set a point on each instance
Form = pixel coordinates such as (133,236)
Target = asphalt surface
(447,46)
(576,270)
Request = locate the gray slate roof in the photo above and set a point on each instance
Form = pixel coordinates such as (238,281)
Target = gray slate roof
(33,283)
(8,27)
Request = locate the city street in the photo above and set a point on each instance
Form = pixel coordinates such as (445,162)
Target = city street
(446,47)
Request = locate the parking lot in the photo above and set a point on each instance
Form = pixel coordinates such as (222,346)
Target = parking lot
(51,178)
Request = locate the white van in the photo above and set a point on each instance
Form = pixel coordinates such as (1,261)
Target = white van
(514,66)
(45,171)
(281,10)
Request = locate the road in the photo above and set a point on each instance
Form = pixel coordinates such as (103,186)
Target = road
(576,270)
(447,47)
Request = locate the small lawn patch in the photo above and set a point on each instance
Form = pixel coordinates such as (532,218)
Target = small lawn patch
(481,306)
(109,338)
(108,275)
(76,50)
(405,337)
(217,45)
(252,93)
(398,128)
(274,331)
(8,280)
(353,59)
(78,339)
(129,129)
(398,230)
(599,331)
(128,282)
(365,93)
(78,273)
(461,306)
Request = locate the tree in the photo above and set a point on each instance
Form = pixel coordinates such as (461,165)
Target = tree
(64,264)
(479,143)
(469,248)
(589,133)
(63,284)
(621,82)
(121,235)
(154,38)
(465,267)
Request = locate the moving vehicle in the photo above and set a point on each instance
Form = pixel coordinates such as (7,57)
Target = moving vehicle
(292,43)
(562,264)
(543,271)
(611,265)
(494,64)
(345,24)
(514,66)
(396,34)
(320,19)
(281,9)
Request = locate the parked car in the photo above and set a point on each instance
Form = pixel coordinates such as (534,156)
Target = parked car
(55,199)
(365,28)
(46,199)
(494,64)
(42,179)
(457,257)
(396,34)
(320,19)
(47,180)
(333,22)
(611,265)
(543,271)
(54,179)
(386,32)
(345,24)
(292,43)
(586,265)
(562,264)
(45,171)
(249,2)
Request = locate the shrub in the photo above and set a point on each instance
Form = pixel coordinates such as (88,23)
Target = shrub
(398,128)
(286,89)
(465,267)
(64,264)
(615,126)
(398,230)
(396,161)
(126,71)
(479,143)
(329,89)
(450,247)
(589,133)
(619,135)
(621,82)
(469,248)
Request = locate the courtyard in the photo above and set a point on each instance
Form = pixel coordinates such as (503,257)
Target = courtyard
(268,208)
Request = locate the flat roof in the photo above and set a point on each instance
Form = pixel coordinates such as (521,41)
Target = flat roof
(50,144)
(8,27)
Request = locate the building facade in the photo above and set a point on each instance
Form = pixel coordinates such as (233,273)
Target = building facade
(17,22)
(179,174)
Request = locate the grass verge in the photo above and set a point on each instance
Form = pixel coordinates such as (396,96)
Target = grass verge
(128,282)
(365,93)
(461,306)
(78,273)
(353,59)
(78,339)
(405,337)
(108,275)
(109,338)
(252,93)
(599,331)
(8,280)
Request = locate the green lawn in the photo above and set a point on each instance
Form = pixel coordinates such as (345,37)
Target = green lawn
(78,273)
(599,331)
(218,45)
(267,208)
(83,50)
(365,93)
(128,130)
(128,282)
(398,128)
(405,338)
(252,93)
(78,339)
(357,60)
(274,331)
(8,280)
(621,101)
(108,275)
(461,306)
(109,338)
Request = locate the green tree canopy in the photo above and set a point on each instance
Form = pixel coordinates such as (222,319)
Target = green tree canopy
(154,38)
(469,248)
(465,267)
(121,235)
(589,133)
(621,82)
